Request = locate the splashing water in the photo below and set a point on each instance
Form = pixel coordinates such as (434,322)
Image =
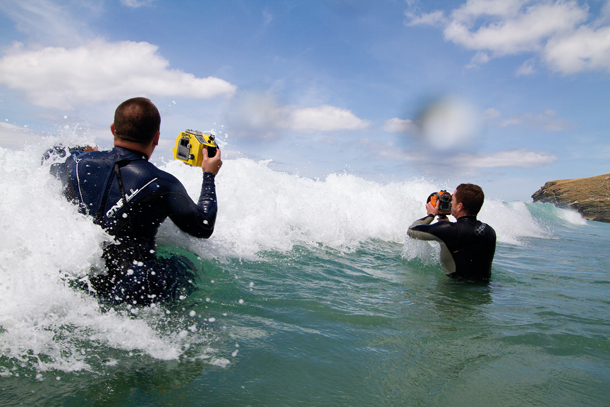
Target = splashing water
(45,324)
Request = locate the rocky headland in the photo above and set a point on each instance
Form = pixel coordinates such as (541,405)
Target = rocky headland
(589,196)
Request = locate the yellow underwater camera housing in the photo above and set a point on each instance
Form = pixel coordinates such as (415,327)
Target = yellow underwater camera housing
(444,206)
(190,144)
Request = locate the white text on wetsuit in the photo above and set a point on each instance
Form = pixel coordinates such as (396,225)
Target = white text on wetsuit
(112,211)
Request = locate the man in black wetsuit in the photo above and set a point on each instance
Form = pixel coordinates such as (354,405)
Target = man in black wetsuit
(130,197)
(468,245)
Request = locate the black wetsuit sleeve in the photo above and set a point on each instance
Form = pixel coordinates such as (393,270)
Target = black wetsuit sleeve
(441,232)
(414,233)
(195,219)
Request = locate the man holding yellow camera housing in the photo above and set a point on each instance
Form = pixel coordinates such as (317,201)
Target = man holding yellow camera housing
(468,245)
(129,198)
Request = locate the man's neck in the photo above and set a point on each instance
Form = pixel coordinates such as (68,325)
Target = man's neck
(146,150)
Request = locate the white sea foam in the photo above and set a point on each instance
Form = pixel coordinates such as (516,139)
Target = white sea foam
(569,216)
(261,210)
(44,239)
(512,221)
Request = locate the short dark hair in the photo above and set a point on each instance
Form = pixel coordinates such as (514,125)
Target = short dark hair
(471,196)
(137,120)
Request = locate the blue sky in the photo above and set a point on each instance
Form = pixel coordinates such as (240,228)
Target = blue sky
(507,94)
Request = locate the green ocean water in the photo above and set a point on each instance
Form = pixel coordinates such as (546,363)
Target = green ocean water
(284,319)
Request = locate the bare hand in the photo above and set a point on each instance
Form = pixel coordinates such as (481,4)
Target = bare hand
(211,164)
(432,210)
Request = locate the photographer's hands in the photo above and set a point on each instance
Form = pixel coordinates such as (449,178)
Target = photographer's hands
(433,210)
(211,164)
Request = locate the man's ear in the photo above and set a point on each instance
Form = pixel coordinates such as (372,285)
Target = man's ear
(156,139)
(112,129)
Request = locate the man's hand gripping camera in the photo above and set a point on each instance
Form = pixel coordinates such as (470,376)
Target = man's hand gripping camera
(444,202)
(189,147)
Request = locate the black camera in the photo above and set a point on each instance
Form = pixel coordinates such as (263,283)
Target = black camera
(444,205)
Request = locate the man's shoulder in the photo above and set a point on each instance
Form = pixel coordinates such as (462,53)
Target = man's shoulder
(161,173)
(443,224)
(480,228)
(436,228)
(88,160)
(482,225)
(163,178)
(79,155)
(488,230)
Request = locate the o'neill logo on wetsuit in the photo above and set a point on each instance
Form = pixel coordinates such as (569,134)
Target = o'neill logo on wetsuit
(112,211)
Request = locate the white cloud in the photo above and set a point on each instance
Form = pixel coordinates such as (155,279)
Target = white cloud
(46,22)
(494,8)
(469,162)
(391,152)
(397,125)
(260,115)
(527,68)
(433,18)
(547,121)
(511,31)
(55,77)
(136,3)
(491,113)
(267,17)
(518,158)
(15,137)
(557,31)
(323,118)
(584,50)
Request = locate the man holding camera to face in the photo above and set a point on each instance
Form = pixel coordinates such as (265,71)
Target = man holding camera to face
(468,245)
